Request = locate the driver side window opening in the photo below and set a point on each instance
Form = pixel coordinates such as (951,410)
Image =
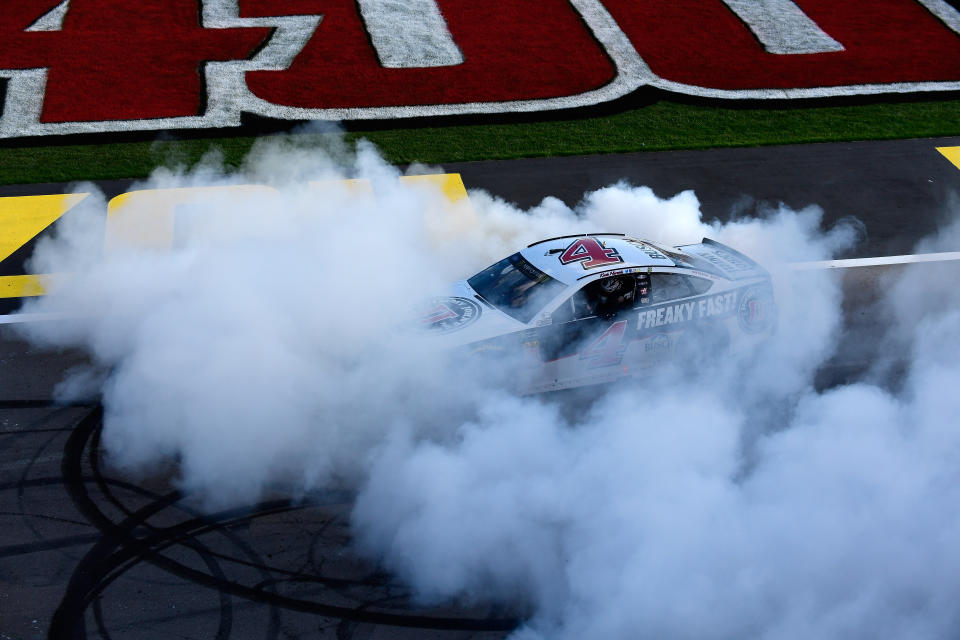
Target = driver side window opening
(606,298)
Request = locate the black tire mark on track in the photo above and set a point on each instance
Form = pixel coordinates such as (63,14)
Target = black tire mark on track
(47,544)
(29,521)
(207,555)
(123,546)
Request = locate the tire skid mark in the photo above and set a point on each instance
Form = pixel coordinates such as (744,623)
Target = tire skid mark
(47,544)
(31,522)
(207,555)
(43,516)
(134,539)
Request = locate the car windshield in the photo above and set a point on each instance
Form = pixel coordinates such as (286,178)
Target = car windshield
(516,287)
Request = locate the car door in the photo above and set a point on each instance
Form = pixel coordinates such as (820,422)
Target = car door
(582,346)
(674,322)
(586,340)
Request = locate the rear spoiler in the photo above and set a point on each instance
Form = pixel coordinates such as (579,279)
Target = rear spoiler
(724,260)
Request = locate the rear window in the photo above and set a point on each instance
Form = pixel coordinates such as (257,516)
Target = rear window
(691,261)
(516,287)
(671,286)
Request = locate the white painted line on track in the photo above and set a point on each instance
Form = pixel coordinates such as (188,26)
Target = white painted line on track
(877,262)
(17,318)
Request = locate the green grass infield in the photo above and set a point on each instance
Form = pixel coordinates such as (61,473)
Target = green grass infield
(657,126)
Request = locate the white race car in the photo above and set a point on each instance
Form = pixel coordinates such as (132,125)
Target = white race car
(589,309)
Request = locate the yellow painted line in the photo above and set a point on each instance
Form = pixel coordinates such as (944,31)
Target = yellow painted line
(354,186)
(450,184)
(23,217)
(146,219)
(952,154)
(23,286)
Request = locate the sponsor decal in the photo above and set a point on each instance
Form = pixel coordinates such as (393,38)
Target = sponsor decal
(445,315)
(726,261)
(651,252)
(78,66)
(641,274)
(756,313)
(590,253)
(660,344)
(712,306)
(543,320)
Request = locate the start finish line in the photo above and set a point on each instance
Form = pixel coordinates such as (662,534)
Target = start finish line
(145,218)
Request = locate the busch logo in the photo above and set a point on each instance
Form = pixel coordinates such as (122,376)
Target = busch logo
(78,66)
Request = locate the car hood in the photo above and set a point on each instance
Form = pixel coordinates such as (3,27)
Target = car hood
(463,317)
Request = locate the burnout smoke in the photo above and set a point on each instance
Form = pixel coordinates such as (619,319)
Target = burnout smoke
(741,503)
(271,343)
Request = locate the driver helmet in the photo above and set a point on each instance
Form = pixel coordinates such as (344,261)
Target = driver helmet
(610,285)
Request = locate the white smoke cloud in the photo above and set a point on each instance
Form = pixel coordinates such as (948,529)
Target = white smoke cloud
(744,504)
(269,345)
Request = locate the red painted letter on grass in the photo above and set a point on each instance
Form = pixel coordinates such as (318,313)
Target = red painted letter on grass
(706,43)
(120,59)
(508,50)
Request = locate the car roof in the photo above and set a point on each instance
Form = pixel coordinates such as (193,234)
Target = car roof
(568,258)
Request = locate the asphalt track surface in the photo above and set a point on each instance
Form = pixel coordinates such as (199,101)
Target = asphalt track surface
(87,551)
(900,189)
